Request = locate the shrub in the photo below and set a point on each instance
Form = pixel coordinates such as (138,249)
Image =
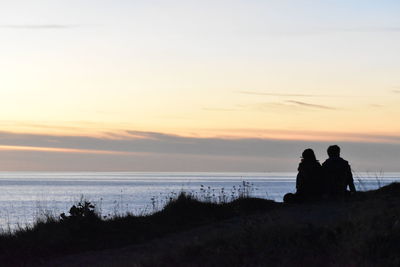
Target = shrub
(84,209)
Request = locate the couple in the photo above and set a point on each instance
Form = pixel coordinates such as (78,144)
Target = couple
(315,181)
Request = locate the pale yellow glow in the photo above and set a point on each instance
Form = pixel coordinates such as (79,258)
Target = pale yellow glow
(154,71)
(71,105)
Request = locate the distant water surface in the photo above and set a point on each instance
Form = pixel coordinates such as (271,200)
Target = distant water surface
(25,196)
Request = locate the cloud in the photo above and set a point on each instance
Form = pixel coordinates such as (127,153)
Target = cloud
(316,31)
(286,95)
(289,105)
(304,104)
(155,151)
(37,26)
(376,106)
(276,94)
(396,91)
(156,142)
(219,109)
(264,106)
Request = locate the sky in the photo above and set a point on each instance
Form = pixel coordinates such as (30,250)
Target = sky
(101,85)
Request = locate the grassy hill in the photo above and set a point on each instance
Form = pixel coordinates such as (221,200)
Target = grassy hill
(362,230)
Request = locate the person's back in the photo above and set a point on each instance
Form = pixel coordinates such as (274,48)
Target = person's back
(337,173)
(308,178)
(308,182)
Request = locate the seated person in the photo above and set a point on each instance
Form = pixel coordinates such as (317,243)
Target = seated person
(308,181)
(337,173)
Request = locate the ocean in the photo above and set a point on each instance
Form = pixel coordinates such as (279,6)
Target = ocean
(27,196)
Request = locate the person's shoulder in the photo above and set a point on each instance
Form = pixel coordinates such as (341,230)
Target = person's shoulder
(326,162)
(316,163)
(344,161)
(301,165)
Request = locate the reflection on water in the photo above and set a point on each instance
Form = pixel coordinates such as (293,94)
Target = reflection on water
(27,195)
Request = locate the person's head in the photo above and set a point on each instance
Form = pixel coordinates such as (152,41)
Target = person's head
(308,155)
(334,151)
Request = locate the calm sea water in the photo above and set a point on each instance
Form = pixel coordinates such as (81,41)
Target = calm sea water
(26,196)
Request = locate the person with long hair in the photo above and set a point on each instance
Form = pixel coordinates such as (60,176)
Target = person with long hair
(308,182)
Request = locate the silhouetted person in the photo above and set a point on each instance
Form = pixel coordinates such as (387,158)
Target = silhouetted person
(308,181)
(337,173)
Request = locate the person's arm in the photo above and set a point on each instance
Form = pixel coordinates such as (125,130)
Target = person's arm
(350,180)
(299,180)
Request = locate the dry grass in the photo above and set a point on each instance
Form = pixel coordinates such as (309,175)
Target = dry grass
(361,231)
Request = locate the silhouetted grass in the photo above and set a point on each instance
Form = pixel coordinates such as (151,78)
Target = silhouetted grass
(367,233)
(364,230)
(52,236)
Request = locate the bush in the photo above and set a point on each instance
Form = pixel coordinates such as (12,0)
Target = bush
(82,210)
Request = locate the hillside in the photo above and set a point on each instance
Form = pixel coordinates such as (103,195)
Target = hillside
(363,230)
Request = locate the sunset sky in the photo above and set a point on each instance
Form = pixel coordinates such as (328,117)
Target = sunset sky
(198,85)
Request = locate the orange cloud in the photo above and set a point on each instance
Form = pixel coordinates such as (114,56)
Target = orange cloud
(63,150)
